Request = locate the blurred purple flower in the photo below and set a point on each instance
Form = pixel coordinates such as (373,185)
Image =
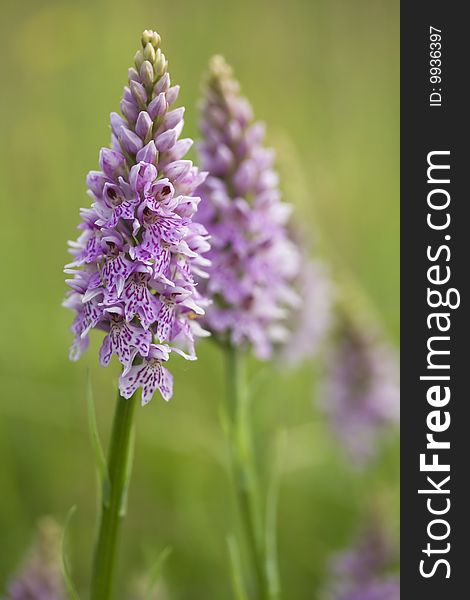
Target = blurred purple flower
(310,321)
(362,572)
(40,578)
(254,263)
(361,393)
(139,248)
(384,589)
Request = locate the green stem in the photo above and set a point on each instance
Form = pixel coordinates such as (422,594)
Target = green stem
(244,467)
(114,500)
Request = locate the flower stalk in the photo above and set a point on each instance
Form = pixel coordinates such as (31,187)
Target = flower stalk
(254,265)
(113,504)
(244,471)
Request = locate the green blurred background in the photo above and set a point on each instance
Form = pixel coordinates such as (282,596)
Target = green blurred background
(323,75)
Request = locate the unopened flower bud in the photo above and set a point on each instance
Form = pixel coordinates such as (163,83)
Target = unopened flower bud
(130,141)
(172,94)
(156,40)
(129,110)
(149,52)
(158,106)
(162,84)
(161,67)
(173,117)
(178,169)
(148,153)
(132,74)
(116,123)
(166,140)
(147,74)
(138,59)
(112,163)
(146,36)
(151,37)
(139,93)
(143,125)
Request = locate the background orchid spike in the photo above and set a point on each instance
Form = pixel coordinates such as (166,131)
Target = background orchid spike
(254,263)
(360,394)
(40,577)
(363,572)
(139,249)
(310,321)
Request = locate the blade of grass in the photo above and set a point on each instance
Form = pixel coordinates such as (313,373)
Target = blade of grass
(100,459)
(71,589)
(236,569)
(128,473)
(156,571)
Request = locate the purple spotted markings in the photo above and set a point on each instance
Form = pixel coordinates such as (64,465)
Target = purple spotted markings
(139,250)
(150,375)
(125,340)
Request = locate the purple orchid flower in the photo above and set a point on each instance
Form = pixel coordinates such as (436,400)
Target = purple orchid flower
(150,375)
(362,572)
(254,262)
(139,244)
(360,395)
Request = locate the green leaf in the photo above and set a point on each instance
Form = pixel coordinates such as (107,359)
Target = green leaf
(236,569)
(71,589)
(128,472)
(100,460)
(156,571)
